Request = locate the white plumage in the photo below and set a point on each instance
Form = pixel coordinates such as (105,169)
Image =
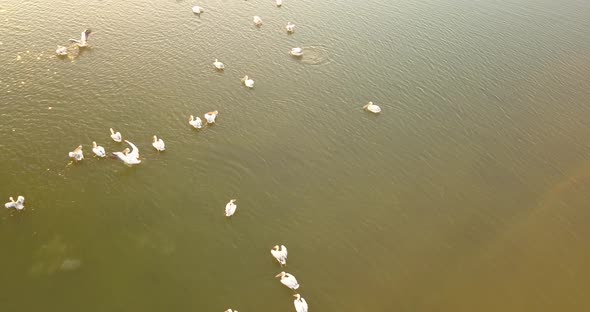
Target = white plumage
(230,208)
(61,51)
(219,65)
(280,253)
(195,122)
(116,136)
(372,108)
(98,150)
(290,27)
(210,116)
(296,52)
(300,303)
(77,154)
(288,280)
(198,10)
(129,157)
(159,144)
(257,20)
(19,204)
(248,82)
(83,37)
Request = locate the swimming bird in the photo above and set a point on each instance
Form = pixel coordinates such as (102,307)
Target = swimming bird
(290,27)
(210,116)
(372,108)
(279,3)
(248,82)
(77,154)
(98,150)
(19,204)
(230,310)
(257,20)
(300,303)
(230,208)
(83,37)
(296,52)
(116,136)
(198,10)
(218,65)
(159,144)
(129,157)
(61,51)
(280,254)
(288,280)
(197,123)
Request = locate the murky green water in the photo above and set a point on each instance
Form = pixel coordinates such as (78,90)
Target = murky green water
(468,193)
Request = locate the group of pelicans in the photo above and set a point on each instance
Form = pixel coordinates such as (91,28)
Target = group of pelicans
(131,156)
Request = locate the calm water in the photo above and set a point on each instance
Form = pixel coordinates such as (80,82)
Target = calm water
(468,193)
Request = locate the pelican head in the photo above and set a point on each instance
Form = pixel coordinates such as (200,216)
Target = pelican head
(94,144)
(298,296)
(191,118)
(155,138)
(282,274)
(126,151)
(276,247)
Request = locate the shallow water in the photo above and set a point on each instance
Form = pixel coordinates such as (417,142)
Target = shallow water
(467,193)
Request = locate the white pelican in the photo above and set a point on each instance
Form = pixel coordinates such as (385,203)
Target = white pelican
(280,254)
(127,156)
(198,10)
(248,82)
(218,65)
(116,136)
(300,303)
(288,280)
(98,150)
(18,204)
(230,310)
(210,116)
(279,3)
(372,108)
(77,154)
(61,51)
(290,27)
(296,52)
(197,123)
(159,144)
(257,20)
(83,37)
(230,208)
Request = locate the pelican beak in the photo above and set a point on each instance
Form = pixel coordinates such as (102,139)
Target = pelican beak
(278,275)
(295,295)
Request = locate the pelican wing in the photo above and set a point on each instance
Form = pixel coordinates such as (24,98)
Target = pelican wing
(300,305)
(134,150)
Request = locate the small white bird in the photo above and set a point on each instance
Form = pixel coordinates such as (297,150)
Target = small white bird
(19,204)
(280,254)
(61,51)
(159,144)
(257,20)
(279,3)
(116,136)
(230,208)
(248,82)
(296,52)
(218,65)
(288,280)
(197,123)
(300,303)
(372,108)
(230,310)
(77,154)
(83,37)
(290,27)
(210,116)
(198,10)
(98,150)
(129,157)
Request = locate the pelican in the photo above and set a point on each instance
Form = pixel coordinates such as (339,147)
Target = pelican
(230,310)
(279,3)
(77,154)
(230,208)
(98,150)
(248,82)
(290,27)
(288,280)
(280,254)
(129,157)
(300,303)
(372,108)
(257,20)
(296,52)
(198,10)
(159,144)
(210,116)
(18,204)
(197,123)
(218,65)
(83,37)
(116,136)
(61,51)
